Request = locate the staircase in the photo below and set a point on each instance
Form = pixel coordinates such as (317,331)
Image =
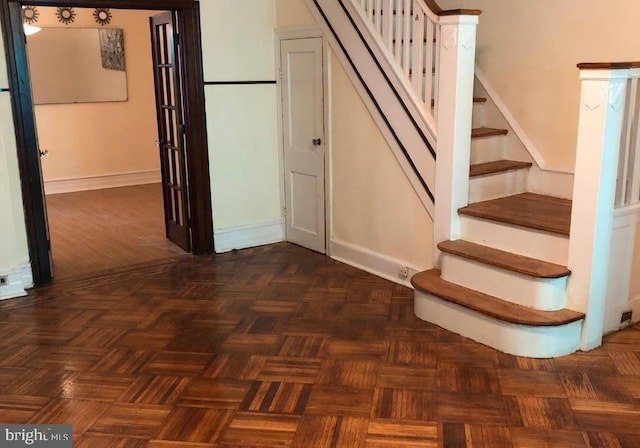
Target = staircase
(503,282)
(501,272)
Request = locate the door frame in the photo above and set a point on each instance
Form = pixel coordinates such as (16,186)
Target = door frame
(307,33)
(197,153)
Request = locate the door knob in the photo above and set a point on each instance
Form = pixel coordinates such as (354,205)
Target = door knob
(44,153)
(317,141)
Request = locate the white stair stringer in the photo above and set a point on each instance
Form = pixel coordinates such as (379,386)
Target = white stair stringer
(400,122)
(532,243)
(497,185)
(519,340)
(533,292)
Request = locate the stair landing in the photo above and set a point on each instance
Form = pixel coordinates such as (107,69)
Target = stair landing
(530,210)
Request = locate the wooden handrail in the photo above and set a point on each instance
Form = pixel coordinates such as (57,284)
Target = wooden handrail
(608,65)
(436,9)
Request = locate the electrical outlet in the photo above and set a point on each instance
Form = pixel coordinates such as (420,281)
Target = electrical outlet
(626,316)
(404,272)
(4,280)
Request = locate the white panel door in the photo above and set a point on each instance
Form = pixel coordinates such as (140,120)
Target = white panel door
(303,126)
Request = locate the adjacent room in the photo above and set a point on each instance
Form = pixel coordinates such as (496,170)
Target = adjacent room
(93,89)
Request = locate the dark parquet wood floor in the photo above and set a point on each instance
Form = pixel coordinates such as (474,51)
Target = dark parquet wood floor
(281,347)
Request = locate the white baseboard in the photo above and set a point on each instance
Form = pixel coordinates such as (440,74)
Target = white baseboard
(248,236)
(100,182)
(16,282)
(372,262)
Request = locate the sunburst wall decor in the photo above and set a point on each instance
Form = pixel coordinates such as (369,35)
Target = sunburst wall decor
(30,14)
(65,14)
(102,16)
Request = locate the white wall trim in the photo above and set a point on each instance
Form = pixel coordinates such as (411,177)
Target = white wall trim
(26,274)
(517,129)
(99,182)
(372,262)
(242,237)
(14,283)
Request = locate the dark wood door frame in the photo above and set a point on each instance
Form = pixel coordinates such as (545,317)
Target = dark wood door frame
(26,137)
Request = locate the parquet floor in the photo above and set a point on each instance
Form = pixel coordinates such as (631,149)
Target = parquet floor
(281,347)
(96,230)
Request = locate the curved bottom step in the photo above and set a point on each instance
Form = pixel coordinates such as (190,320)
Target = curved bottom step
(500,324)
(519,340)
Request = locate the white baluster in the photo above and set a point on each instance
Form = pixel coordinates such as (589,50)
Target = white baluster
(417,63)
(633,190)
(429,67)
(406,36)
(625,146)
(387,23)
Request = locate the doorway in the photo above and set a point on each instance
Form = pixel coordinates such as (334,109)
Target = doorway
(193,131)
(303,126)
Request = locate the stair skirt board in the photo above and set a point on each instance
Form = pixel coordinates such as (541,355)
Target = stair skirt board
(540,293)
(487,149)
(384,95)
(532,243)
(497,185)
(519,340)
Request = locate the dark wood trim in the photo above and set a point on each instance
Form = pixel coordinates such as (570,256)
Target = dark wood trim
(608,65)
(436,9)
(27,144)
(231,83)
(196,132)
(460,12)
(26,137)
(117,4)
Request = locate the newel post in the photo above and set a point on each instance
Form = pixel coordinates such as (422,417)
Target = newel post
(602,108)
(457,50)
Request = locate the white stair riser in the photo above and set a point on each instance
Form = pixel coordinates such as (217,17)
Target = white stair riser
(487,149)
(519,240)
(538,293)
(477,119)
(520,340)
(494,186)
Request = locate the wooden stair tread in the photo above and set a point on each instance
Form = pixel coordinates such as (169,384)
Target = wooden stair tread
(431,283)
(487,132)
(504,260)
(497,166)
(476,100)
(530,210)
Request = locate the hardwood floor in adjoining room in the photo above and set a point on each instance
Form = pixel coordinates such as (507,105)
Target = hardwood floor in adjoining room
(97,230)
(278,346)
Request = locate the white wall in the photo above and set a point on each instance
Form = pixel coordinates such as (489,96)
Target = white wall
(238,45)
(377,221)
(92,140)
(14,254)
(374,205)
(528,50)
